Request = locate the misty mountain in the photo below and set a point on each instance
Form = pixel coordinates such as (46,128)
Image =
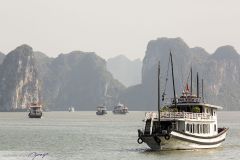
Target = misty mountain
(2,56)
(19,81)
(220,71)
(127,71)
(78,79)
(81,79)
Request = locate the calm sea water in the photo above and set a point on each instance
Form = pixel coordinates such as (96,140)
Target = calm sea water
(83,135)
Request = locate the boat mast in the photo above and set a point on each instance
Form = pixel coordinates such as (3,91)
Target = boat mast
(159,94)
(202,91)
(197,86)
(175,101)
(191,80)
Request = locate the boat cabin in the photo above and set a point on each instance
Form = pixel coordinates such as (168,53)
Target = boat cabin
(189,115)
(35,111)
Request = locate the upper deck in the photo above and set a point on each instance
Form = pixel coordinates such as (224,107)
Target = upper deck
(181,116)
(187,100)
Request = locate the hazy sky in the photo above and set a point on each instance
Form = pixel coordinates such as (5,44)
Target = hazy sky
(112,27)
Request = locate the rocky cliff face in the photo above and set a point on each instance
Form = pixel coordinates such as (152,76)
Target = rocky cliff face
(220,72)
(19,83)
(77,79)
(126,71)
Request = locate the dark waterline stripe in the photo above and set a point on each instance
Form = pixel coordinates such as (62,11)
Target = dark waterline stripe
(223,131)
(197,142)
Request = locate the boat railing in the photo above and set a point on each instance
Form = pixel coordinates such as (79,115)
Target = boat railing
(184,115)
(187,100)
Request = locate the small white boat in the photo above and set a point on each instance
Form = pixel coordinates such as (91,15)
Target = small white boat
(71,109)
(101,110)
(186,123)
(120,109)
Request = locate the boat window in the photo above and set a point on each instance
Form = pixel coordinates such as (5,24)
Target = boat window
(193,129)
(198,128)
(204,128)
(187,128)
(215,127)
(155,127)
(201,131)
(174,125)
(147,127)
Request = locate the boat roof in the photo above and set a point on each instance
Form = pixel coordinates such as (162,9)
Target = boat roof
(212,106)
(35,107)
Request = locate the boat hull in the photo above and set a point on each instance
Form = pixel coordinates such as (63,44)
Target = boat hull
(34,115)
(182,141)
(101,113)
(120,112)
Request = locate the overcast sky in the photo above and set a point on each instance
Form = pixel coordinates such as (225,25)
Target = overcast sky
(112,27)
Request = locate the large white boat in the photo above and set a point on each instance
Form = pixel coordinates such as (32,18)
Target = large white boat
(186,123)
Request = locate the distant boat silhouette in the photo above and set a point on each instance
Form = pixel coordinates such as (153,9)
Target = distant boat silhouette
(35,110)
(71,109)
(101,110)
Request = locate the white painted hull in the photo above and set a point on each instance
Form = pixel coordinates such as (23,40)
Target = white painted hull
(182,141)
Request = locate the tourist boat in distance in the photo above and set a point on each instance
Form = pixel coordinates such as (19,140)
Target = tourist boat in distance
(35,110)
(186,123)
(120,109)
(71,109)
(101,110)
